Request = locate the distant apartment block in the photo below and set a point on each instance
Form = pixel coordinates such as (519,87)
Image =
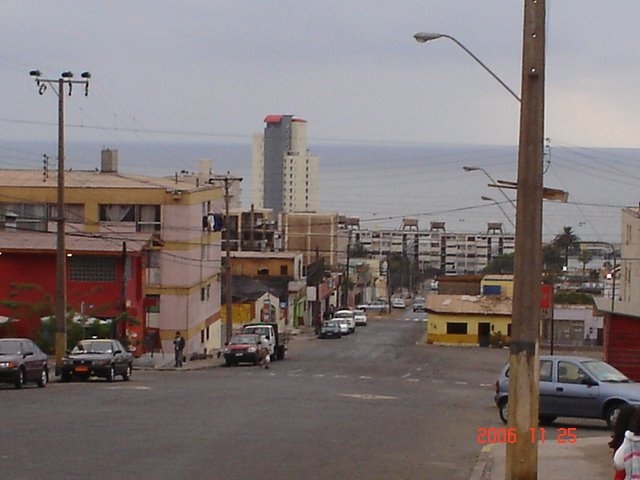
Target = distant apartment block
(453,253)
(285,174)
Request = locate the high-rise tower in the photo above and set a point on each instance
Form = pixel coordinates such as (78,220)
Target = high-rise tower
(285,174)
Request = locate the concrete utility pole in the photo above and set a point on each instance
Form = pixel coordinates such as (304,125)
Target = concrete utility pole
(66,78)
(522,456)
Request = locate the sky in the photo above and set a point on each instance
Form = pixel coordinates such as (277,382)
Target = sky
(214,69)
(206,71)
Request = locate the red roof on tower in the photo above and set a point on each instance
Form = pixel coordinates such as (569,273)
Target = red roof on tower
(278,119)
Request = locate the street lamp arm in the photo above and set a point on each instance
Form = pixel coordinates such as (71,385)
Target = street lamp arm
(425,37)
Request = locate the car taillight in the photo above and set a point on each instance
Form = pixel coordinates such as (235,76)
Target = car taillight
(497,386)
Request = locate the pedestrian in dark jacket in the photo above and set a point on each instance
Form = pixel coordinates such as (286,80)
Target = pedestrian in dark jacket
(178,348)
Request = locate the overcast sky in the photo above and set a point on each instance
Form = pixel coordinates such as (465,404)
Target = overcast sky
(350,68)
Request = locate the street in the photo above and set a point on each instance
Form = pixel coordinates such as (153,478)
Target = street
(371,405)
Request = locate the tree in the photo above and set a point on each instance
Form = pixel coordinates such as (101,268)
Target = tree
(502,264)
(584,257)
(567,241)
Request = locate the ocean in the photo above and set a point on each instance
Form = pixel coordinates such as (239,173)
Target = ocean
(383,183)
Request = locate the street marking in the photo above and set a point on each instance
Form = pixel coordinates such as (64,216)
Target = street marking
(368,396)
(365,377)
(486,385)
(413,379)
(406,375)
(340,376)
(295,371)
(319,375)
(122,387)
(462,383)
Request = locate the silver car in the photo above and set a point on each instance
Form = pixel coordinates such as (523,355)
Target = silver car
(573,386)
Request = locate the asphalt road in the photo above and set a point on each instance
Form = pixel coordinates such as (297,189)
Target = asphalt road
(372,405)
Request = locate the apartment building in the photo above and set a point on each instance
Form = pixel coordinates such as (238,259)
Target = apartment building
(285,174)
(453,253)
(168,223)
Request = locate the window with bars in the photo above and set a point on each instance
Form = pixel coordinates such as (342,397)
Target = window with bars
(145,217)
(91,268)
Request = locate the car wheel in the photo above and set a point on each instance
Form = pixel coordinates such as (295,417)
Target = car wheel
(126,376)
(504,410)
(111,376)
(546,420)
(20,380)
(44,378)
(611,414)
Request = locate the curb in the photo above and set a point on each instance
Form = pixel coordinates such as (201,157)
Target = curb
(484,464)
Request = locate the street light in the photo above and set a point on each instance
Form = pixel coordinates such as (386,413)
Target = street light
(467,168)
(489,199)
(522,456)
(65,79)
(423,37)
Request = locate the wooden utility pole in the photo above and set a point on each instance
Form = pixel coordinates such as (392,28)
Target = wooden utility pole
(522,455)
(227,265)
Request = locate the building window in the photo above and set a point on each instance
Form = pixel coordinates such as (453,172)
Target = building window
(205,293)
(145,217)
(23,216)
(284,270)
(263,271)
(457,328)
(92,268)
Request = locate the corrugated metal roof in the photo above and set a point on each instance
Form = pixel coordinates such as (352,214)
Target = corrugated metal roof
(46,242)
(90,179)
(472,304)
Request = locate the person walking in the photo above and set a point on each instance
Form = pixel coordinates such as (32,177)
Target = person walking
(623,423)
(178,348)
(266,359)
(627,456)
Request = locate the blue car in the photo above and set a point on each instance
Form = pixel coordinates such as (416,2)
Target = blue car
(572,386)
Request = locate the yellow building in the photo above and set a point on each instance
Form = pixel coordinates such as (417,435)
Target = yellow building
(497,285)
(467,319)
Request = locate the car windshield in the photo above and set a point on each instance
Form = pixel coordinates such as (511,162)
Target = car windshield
(243,340)
(343,314)
(605,372)
(263,331)
(92,347)
(10,347)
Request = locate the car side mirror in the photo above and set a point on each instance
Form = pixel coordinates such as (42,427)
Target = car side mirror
(117,352)
(26,354)
(589,382)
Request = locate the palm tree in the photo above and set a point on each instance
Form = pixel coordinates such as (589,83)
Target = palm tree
(567,242)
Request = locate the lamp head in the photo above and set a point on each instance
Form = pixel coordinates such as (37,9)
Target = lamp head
(35,73)
(487,199)
(422,37)
(470,169)
(86,75)
(67,74)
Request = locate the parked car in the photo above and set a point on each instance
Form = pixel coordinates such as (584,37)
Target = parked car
(330,329)
(360,317)
(343,323)
(398,302)
(376,306)
(106,358)
(21,361)
(572,386)
(277,337)
(347,315)
(244,348)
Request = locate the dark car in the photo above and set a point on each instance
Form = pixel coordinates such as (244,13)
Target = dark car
(106,358)
(573,386)
(330,329)
(21,361)
(244,348)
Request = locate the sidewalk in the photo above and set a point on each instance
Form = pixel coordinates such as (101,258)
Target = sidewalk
(160,361)
(586,459)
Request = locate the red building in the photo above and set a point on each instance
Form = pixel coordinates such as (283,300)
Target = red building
(105,275)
